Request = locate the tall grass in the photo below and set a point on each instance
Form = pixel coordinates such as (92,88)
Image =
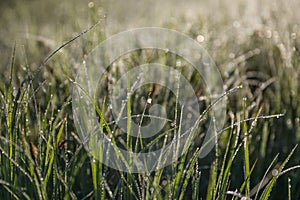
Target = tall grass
(256,155)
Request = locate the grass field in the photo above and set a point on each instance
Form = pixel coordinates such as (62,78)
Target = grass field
(256,47)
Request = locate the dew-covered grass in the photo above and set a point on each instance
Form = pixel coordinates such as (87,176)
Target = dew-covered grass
(255,47)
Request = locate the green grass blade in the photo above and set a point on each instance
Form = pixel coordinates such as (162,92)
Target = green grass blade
(212,182)
(246,154)
(52,155)
(268,189)
(10,114)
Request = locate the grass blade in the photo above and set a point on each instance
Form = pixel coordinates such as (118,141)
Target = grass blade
(268,189)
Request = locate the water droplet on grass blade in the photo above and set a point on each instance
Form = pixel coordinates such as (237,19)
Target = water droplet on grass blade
(149,100)
(200,38)
(226,74)
(91,4)
(178,63)
(274,172)
(173,124)
(289,123)
(277,116)
(206,63)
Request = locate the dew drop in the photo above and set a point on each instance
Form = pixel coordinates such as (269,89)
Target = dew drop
(206,63)
(274,172)
(226,74)
(289,123)
(173,124)
(164,182)
(178,63)
(149,100)
(151,190)
(15,92)
(91,4)
(200,38)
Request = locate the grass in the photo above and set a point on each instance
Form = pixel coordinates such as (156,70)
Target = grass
(42,155)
